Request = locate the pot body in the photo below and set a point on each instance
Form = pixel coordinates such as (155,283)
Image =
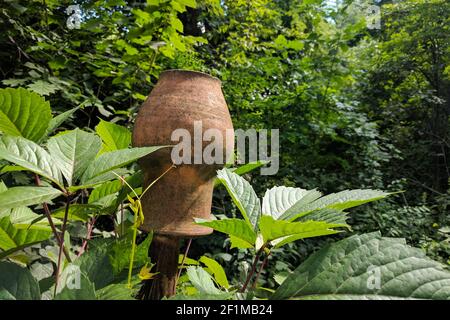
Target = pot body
(180,100)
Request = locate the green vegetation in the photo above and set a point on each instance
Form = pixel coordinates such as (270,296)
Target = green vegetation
(359,110)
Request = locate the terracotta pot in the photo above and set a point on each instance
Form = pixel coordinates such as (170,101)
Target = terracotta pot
(179,98)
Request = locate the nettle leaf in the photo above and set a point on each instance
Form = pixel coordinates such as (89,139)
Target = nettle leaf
(243,196)
(272,229)
(233,227)
(367,266)
(115,137)
(27,196)
(13,239)
(29,155)
(115,159)
(23,113)
(17,283)
(278,199)
(327,215)
(73,152)
(339,201)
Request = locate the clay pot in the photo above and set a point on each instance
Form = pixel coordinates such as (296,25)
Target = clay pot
(179,98)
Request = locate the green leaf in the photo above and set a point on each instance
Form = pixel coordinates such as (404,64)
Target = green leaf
(367,266)
(116,291)
(26,196)
(13,239)
(73,151)
(75,285)
(114,137)
(239,243)
(339,201)
(278,199)
(248,167)
(59,120)
(79,212)
(216,270)
(272,229)
(327,215)
(115,159)
(43,88)
(95,264)
(202,281)
(23,113)
(233,227)
(243,196)
(17,283)
(27,154)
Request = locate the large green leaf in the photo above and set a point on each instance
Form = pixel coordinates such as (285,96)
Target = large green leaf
(27,154)
(216,270)
(115,159)
(114,137)
(13,238)
(202,281)
(23,113)
(339,201)
(278,199)
(27,196)
(272,229)
(233,227)
(116,291)
(243,196)
(59,119)
(17,283)
(367,267)
(73,152)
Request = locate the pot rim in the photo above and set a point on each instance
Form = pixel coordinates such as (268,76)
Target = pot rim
(191,72)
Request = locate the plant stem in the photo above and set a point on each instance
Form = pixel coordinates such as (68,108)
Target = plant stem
(63,230)
(263,264)
(89,234)
(133,248)
(252,271)
(51,223)
(182,261)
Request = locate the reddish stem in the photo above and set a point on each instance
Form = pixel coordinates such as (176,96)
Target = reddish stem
(91,224)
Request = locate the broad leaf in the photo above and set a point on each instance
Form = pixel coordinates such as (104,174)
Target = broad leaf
(17,283)
(75,285)
(27,154)
(115,159)
(278,199)
(23,113)
(73,152)
(202,281)
(367,266)
(116,291)
(13,239)
(114,137)
(216,270)
(26,196)
(233,227)
(243,196)
(272,229)
(339,201)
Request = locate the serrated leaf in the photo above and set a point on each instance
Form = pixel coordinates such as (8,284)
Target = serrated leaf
(43,88)
(17,283)
(272,229)
(367,266)
(23,113)
(115,159)
(73,151)
(243,196)
(27,154)
(27,196)
(278,199)
(235,227)
(202,281)
(114,137)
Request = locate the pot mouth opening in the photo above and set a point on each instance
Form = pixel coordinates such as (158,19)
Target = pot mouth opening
(191,73)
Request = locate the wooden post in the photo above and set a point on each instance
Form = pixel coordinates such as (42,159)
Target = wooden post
(164,251)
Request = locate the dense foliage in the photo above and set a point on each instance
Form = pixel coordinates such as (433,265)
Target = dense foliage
(357,108)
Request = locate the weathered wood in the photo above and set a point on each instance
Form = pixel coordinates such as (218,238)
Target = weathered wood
(164,251)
